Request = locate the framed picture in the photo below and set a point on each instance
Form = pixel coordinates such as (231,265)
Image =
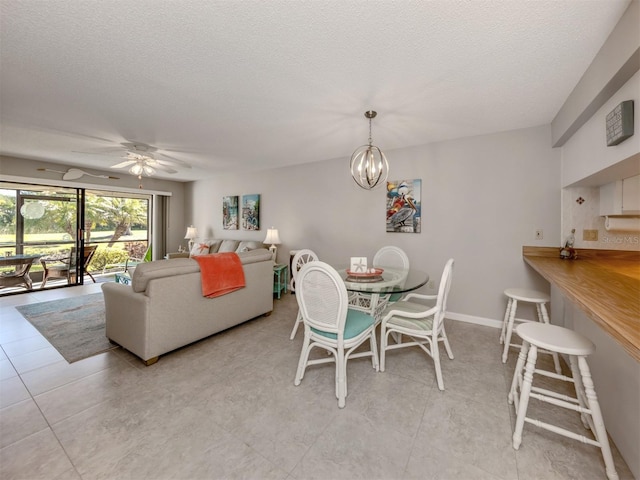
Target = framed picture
(404,207)
(251,212)
(230,212)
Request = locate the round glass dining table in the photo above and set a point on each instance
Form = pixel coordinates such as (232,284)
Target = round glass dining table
(372,293)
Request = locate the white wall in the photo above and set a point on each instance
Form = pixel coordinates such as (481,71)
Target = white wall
(482,200)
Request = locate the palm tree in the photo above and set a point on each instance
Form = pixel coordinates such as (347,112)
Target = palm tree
(121,212)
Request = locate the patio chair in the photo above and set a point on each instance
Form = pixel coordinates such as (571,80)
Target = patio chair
(66,267)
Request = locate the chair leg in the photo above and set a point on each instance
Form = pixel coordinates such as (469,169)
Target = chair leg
(507,338)
(435,353)
(91,276)
(445,340)
(302,362)
(295,326)
(374,350)
(341,378)
(524,395)
(383,346)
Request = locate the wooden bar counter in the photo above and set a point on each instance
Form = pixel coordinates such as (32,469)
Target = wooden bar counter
(604,284)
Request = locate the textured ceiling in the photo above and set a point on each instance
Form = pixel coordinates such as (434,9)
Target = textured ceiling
(253,84)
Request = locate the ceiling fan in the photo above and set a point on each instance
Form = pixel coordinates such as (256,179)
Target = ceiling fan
(142,159)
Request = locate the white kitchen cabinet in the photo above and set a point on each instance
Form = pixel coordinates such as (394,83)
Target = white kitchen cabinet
(621,197)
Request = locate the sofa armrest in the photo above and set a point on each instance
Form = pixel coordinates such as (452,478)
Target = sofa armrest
(171,255)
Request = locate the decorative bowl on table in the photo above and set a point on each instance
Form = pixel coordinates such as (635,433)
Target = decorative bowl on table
(370,275)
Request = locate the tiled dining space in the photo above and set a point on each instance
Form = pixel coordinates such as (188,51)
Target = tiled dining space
(226,407)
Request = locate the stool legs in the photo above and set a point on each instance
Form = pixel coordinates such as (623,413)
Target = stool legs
(600,431)
(586,398)
(543,317)
(511,310)
(521,409)
(505,321)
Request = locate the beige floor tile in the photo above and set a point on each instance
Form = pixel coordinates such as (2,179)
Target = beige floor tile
(24,346)
(20,420)
(38,456)
(12,390)
(36,359)
(7,369)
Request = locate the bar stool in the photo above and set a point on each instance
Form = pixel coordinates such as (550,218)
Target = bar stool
(561,340)
(516,295)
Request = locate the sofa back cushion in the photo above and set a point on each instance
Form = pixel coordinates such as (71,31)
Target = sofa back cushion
(228,246)
(246,246)
(145,272)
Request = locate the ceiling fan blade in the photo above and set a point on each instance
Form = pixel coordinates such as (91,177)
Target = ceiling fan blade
(124,164)
(162,167)
(170,159)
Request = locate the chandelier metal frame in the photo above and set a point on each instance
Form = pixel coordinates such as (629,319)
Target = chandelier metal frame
(369,166)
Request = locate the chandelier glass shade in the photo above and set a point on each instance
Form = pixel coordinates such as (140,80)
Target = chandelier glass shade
(369,165)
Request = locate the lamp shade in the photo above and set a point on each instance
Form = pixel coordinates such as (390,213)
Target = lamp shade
(272,237)
(192,232)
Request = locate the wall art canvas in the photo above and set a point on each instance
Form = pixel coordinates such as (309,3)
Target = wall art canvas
(404,207)
(230,212)
(251,212)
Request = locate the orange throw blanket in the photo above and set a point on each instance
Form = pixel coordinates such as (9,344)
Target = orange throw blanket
(221,273)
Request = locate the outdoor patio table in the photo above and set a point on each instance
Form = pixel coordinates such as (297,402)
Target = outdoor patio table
(19,276)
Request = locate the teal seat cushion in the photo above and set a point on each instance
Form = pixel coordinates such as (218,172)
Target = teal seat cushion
(394,297)
(357,322)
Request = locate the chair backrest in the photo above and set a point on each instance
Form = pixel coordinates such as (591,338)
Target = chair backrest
(443,293)
(89,250)
(322,298)
(301,258)
(392,257)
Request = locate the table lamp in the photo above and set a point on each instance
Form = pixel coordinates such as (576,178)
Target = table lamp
(192,233)
(273,239)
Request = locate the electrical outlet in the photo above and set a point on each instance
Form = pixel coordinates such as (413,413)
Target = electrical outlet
(539,234)
(590,235)
(431,285)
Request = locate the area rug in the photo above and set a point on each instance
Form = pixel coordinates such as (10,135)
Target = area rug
(74,326)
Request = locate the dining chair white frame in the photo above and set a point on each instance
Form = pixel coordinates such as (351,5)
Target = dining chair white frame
(302,257)
(388,256)
(424,325)
(329,324)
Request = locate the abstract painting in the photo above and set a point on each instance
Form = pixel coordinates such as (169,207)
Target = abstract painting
(230,212)
(251,212)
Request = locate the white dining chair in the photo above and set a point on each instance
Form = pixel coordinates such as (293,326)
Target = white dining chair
(301,258)
(388,256)
(423,325)
(330,325)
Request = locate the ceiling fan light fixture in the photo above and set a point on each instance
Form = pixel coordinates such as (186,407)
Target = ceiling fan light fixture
(136,169)
(369,165)
(148,171)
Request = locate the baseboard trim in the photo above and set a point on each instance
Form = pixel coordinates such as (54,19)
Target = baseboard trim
(461,317)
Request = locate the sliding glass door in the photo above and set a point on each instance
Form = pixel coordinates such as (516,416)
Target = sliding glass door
(53,236)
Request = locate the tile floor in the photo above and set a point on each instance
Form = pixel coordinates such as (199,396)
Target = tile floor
(226,407)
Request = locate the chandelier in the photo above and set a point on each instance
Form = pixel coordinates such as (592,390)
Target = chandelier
(369,166)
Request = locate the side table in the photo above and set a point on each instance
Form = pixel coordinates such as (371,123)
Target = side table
(280,278)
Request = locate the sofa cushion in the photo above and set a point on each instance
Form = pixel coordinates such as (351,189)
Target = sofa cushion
(228,246)
(246,246)
(215,245)
(145,272)
(200,248)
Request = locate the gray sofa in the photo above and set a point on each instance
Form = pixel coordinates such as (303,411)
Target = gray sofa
(164,309)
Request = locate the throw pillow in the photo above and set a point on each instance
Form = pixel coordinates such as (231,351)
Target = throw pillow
(200,248)
(228,246)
